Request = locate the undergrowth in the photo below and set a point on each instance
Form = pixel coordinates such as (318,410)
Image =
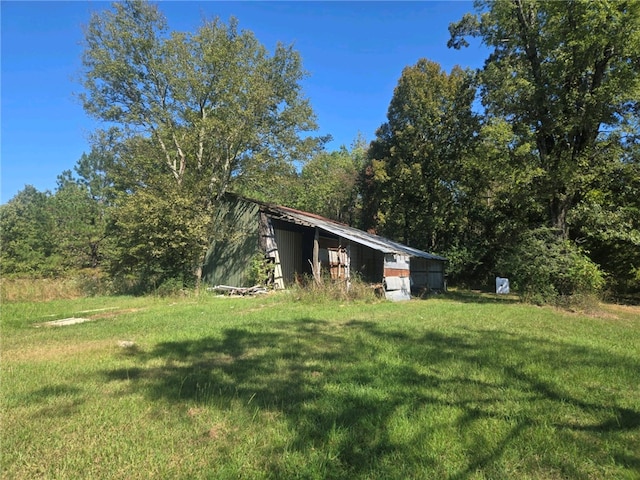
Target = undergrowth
(306,289)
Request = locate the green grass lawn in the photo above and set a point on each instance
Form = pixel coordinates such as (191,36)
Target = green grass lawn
(456,387)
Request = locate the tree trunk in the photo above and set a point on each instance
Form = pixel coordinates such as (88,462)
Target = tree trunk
(199,268)
(559,207)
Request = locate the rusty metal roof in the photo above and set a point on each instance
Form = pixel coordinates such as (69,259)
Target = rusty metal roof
(370,240)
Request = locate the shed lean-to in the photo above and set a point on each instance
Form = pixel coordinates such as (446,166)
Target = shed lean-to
(294,241)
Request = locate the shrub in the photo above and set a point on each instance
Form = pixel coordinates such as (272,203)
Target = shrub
(260,271)
(174,287)
(546,268)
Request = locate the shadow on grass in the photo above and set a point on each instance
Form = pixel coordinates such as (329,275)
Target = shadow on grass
(346,387)
(53,401)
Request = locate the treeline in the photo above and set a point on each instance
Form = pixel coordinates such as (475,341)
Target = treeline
(527,168)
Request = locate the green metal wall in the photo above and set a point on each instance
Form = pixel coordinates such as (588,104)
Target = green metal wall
(235,243)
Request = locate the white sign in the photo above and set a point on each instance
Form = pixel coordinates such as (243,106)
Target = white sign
(502,285)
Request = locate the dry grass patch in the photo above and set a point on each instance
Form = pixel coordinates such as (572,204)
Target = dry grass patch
(57,351)
(39,289)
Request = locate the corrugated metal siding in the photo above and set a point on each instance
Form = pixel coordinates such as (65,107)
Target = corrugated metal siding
(367,263)
(290,253)
(396,262)
(419,273)
(235,243)
(427,274)
(349,233)
(231,255)
(436,275)
(397,276)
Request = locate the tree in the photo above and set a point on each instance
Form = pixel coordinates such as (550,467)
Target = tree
(415,185)
(566,76)
(546,268)
(200,110)
(80,209)
(328,184)
(157,239)
(607,225)
(28,245)
(157,232)
(47,234)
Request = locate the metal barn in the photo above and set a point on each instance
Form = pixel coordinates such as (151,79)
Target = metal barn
(295,240)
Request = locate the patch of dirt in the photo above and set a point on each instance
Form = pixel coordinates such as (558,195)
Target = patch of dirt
(215,432)
(64,322)
(99,309)
(116,313)
(195,411)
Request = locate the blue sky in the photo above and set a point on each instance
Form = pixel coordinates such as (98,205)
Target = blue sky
(354,52)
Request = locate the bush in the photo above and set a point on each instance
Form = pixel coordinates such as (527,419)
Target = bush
(467,268)
(93,282)
(547,269)
(260,271)
(174,287)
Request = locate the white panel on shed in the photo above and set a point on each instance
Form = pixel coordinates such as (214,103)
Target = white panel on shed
(397,288)
(394,283)
(396,260)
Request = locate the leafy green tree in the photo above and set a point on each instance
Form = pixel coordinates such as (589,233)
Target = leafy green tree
(153,235)
(416,186)
(200,111)
(92,172)
(80,220)
(44,233)
(607,225)
(546,268)
(156,232)
(278,184)
(566,76)
(27,223)
(328,184)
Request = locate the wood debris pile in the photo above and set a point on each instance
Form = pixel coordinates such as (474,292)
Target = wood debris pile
(239,291)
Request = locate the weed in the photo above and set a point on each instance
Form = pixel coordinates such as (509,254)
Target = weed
(307,290)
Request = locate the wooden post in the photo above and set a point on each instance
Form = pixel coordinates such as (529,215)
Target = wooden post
(316,258)
(347,267)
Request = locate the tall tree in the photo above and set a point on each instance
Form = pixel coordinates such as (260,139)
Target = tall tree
(328,184)
(26,226)
(213,106)
(607,224)
(566,75)
(80,207)
(415,182)
(214,102)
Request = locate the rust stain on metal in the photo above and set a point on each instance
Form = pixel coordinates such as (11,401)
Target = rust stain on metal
(396,272)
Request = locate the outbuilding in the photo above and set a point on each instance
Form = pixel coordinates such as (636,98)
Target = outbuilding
(299,243)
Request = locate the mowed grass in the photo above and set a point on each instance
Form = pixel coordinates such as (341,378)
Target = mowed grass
(454,387)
